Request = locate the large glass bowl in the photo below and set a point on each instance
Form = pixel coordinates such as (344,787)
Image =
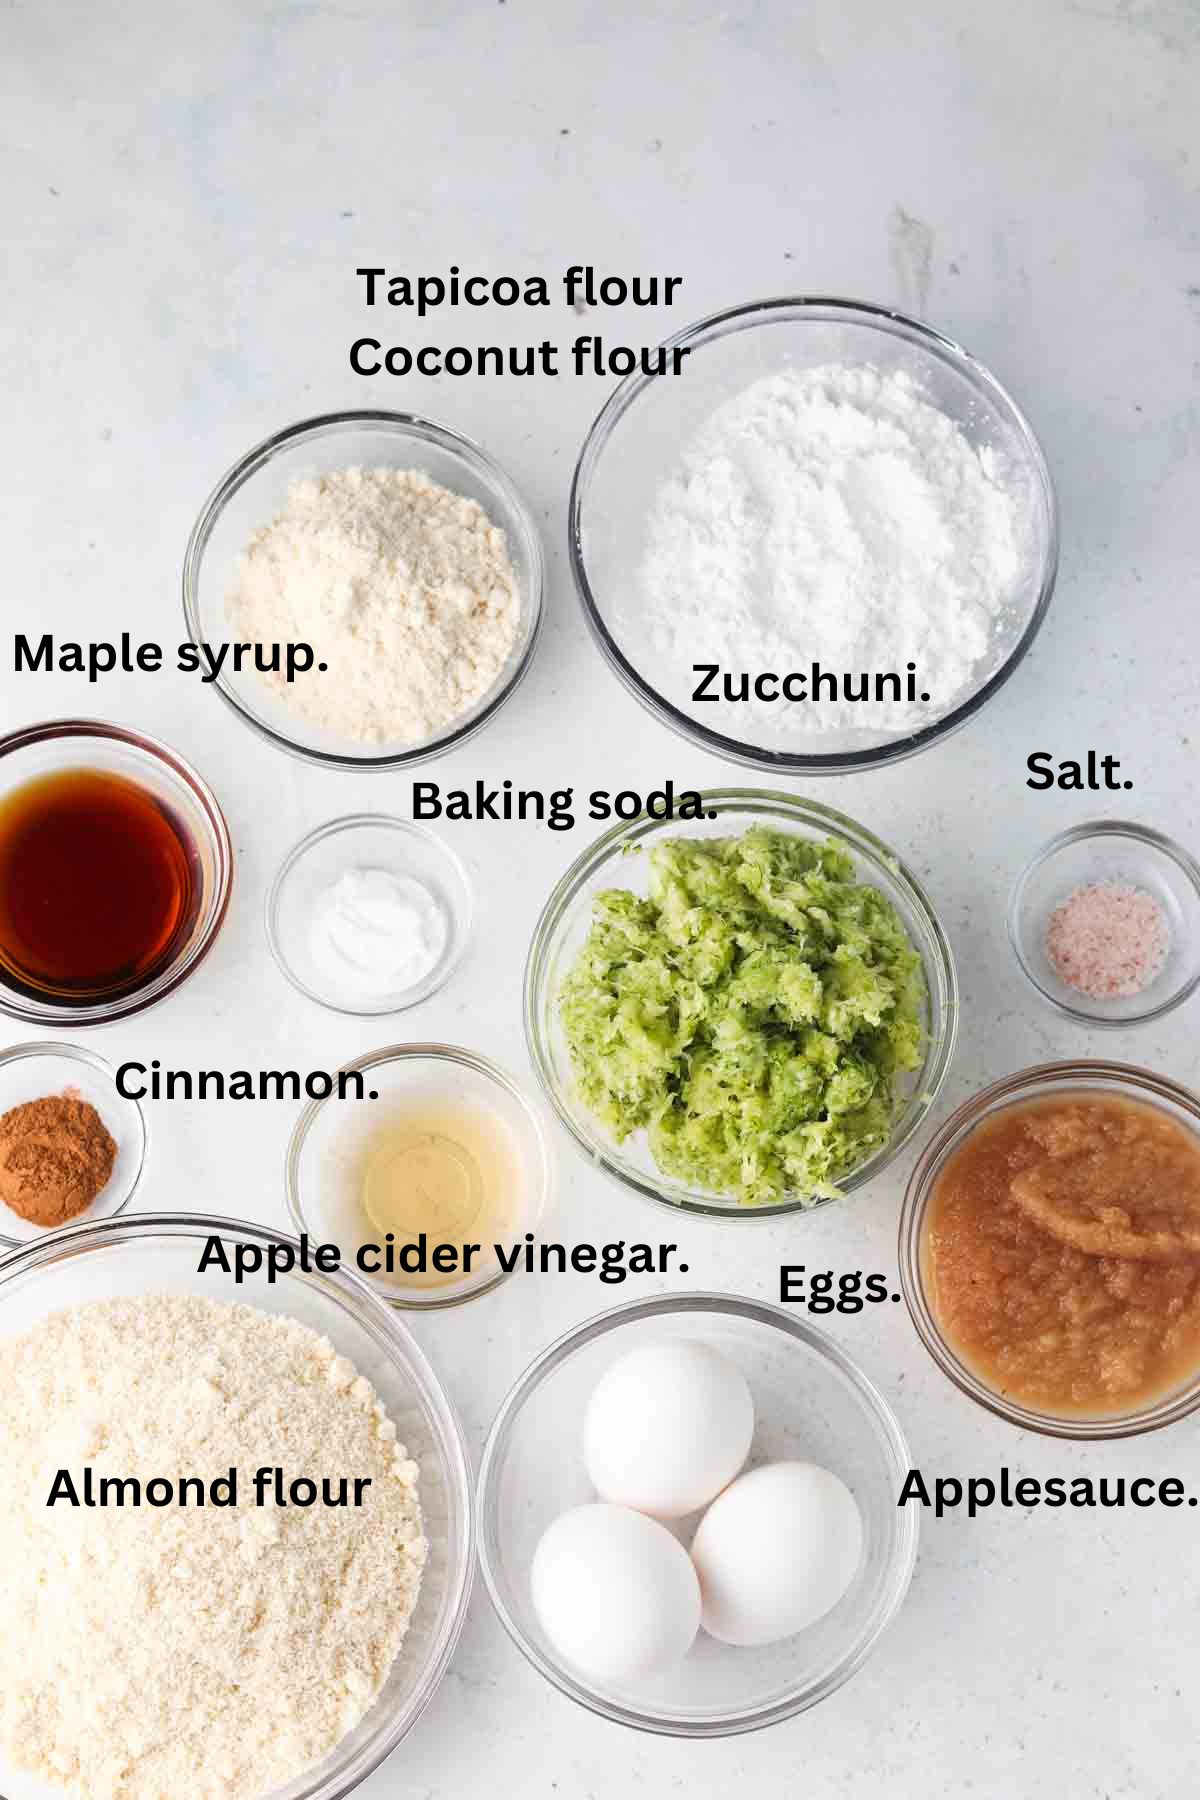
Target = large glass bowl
(563,927)
(1046,1081)
(253,493)
(158,1254)
(811,1403)
(62,744)
(640,435)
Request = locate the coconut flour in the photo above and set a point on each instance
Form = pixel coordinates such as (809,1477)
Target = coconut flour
(402,588)
(153,1652)
(830,516)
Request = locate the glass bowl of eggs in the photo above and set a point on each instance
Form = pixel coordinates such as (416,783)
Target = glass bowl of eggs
(688,1515)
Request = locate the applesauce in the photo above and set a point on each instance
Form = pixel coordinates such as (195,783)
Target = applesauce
(1061,1252)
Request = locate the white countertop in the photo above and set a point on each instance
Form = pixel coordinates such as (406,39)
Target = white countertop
(187,199)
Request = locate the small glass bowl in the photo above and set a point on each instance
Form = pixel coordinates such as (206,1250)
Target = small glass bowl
(329,1133)
(563,926)
(159,1254)
(811,1402)
(635,445)
(1045,1081)
(254,492)
(62,744)
(30,1071)
(1133,856)
(364,841)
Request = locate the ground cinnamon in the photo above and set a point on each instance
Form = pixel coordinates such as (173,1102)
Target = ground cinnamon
(55,1156)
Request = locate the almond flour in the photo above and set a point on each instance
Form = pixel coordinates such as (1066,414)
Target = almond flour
(193,1650)
(402,588)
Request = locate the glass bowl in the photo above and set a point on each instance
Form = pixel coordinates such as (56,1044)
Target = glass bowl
(646,425)
(563,927)
(27,1072)
(63,744)
(811,1401)
(1045,1081)
(364,841)
(1132,856)
(330,1135)
(253,493)
(159,1253)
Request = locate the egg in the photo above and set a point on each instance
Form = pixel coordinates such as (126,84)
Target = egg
(775,1552)
(667,1427)
(616,1594)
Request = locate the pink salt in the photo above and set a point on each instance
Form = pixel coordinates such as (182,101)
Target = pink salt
(1108,941)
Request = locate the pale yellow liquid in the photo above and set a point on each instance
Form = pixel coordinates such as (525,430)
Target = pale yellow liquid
(450,1170)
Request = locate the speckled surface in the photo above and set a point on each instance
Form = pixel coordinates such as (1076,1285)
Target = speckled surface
(185,206)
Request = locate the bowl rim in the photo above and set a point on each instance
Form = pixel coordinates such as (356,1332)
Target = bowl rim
(1161,845)
(353,1295)
(460,929)
(822,308)
(702,1302)
(1035,1082)
(943,1002)
(79,1053)
(441,1300)
(454,443)
(139,1000)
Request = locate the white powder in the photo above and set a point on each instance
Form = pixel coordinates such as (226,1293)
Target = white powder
(826,515)
(148,1654)
(403,588)
(375,934)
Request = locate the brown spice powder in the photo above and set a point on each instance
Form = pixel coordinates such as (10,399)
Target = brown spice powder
(55,1156)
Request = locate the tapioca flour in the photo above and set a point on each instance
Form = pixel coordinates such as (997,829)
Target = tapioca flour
(832,516)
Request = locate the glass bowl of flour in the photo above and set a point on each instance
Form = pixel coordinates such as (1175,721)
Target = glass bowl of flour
(820,547)
(371,583)
(229,1635)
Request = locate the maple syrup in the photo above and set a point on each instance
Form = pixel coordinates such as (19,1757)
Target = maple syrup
(99,882)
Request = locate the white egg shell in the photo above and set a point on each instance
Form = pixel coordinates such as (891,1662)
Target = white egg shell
(616,1594)
(667,1427)
(775,1552)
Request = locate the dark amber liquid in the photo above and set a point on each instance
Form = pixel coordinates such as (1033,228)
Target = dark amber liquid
(98,883)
